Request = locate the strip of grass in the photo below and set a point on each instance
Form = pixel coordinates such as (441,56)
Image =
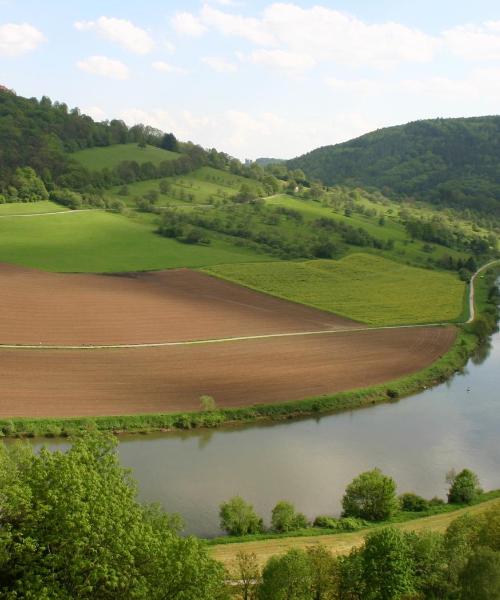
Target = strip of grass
(360,286)
(108,157)
(342,543)
(399,517)
(103,242)
(29,208)
(350,400)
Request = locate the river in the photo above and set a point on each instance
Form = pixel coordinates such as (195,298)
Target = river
(310,461)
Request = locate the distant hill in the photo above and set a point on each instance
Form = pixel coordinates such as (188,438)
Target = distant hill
(264,162)
(448,161)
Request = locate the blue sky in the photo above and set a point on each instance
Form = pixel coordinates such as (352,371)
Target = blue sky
(257,78)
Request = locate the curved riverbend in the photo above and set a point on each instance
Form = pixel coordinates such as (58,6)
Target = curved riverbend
(309,462)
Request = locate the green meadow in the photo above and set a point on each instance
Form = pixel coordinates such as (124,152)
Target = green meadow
(98,241)
(108,157)
(363,287)
(203,186)
(29,208)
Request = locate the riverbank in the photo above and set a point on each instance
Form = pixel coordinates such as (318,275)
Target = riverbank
(451,362)
(343,543)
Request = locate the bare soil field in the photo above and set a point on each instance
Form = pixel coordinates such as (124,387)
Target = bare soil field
(58,383)
(175,305)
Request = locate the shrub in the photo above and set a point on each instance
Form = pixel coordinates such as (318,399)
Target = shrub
(238,517)
(413,503)
(345,524)
(285,518)
(371,496)
(464,487)
(207,403)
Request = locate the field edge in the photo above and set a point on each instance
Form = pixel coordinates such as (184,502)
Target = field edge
(392,391)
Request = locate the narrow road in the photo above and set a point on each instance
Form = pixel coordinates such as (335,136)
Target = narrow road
(472,291)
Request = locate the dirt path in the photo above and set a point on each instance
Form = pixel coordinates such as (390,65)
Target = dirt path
(472,289)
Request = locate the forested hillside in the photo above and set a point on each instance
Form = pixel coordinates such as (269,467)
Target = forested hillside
(41,133)
(455,162)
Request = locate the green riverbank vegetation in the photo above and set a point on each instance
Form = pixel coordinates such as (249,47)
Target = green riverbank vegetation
(71,528)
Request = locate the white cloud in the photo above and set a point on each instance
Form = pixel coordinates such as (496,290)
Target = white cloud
(96,112)
(121,32)
(16,39)
(475,42)
(221,65)
(187,24)
(165,67)
(104,66)
(286,31)
(280,59)
(249,28)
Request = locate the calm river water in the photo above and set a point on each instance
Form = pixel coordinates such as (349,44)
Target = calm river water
(310,462)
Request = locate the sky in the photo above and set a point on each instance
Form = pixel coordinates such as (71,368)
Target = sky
(257,78)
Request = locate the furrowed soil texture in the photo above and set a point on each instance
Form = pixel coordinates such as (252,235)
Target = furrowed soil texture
(165,306)
(64,383)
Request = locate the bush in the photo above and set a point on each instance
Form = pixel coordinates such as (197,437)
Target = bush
(413,503)
(464,487)
(238,517)
(345,524)
(285,518)
(371,496)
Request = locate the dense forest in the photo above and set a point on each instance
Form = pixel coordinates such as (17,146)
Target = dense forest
(454,162)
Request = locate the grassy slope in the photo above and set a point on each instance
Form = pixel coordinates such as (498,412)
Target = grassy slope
(363,287)
(110,156)
(97,241)
(338,544)
(28,208)
(404,248)
(205,185)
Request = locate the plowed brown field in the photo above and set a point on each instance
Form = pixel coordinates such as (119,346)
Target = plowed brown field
(178,305)
(42,383)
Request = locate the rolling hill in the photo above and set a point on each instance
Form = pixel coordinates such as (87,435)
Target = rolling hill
(454,162)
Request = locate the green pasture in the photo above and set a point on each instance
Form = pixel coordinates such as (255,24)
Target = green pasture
(108,157)
(363,287)
(198,187)
(30,208)
(97,241)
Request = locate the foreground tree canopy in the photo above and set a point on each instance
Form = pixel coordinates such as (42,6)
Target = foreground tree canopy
(71,528)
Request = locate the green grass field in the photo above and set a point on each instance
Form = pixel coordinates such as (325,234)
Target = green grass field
(363,287)
(202,186)
(97,241)
(110,156)
(30,208)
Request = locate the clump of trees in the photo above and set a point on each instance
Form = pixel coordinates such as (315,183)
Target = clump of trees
(461,564)
(238,517)
(371,496)
(71,527)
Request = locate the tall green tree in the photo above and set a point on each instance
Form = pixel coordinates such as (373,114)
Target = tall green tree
(371,495)
(71,528)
